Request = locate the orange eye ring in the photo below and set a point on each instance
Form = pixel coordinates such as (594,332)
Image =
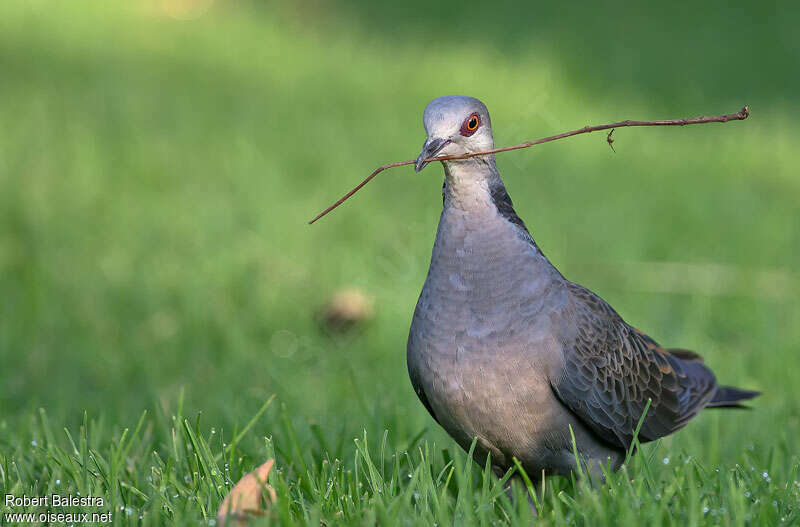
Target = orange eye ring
(471,124)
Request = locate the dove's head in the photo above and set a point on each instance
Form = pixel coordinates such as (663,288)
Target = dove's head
(455,125)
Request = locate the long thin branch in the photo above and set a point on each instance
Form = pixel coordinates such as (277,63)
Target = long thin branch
(739,116)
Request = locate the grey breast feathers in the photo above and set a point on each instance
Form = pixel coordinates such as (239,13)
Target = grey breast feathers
(611,370)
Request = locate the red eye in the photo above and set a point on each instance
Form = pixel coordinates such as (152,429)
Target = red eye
(471,124)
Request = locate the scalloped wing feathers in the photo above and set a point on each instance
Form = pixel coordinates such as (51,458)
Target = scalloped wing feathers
(611,370)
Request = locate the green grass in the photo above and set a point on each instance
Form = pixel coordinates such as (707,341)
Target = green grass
(167,469)
(155,180)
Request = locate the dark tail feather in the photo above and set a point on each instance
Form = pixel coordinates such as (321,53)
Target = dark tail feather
(729,397)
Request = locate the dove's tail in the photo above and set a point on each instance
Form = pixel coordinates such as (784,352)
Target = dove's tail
(729,397)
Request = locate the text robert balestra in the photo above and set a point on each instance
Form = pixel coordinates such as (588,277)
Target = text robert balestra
(53,500)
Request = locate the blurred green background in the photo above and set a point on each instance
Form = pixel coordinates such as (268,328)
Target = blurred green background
(159,161)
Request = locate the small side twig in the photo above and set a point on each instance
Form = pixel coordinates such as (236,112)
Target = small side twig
(741,115)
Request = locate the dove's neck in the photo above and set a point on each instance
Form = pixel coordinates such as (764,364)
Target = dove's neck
(480,239)
(474,194)
(468,184)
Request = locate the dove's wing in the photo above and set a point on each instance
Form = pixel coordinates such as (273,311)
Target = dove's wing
(611,370)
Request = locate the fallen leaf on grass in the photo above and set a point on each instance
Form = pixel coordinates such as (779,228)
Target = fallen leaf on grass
(245,498)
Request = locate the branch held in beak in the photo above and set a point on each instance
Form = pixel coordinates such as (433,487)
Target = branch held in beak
(419,164)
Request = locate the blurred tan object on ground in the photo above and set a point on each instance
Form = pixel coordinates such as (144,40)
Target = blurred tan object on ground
(348,309)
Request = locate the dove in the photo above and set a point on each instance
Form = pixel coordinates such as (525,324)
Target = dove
(506,351)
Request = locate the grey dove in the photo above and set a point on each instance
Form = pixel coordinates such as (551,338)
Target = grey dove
(505,350)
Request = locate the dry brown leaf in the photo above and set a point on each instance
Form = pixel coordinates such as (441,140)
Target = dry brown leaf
(244,499)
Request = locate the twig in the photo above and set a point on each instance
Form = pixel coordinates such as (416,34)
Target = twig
(739,116)
(611,141)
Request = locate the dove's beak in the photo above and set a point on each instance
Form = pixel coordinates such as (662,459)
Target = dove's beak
(432,146)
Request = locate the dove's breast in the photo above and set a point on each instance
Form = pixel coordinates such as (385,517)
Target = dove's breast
(483,340)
